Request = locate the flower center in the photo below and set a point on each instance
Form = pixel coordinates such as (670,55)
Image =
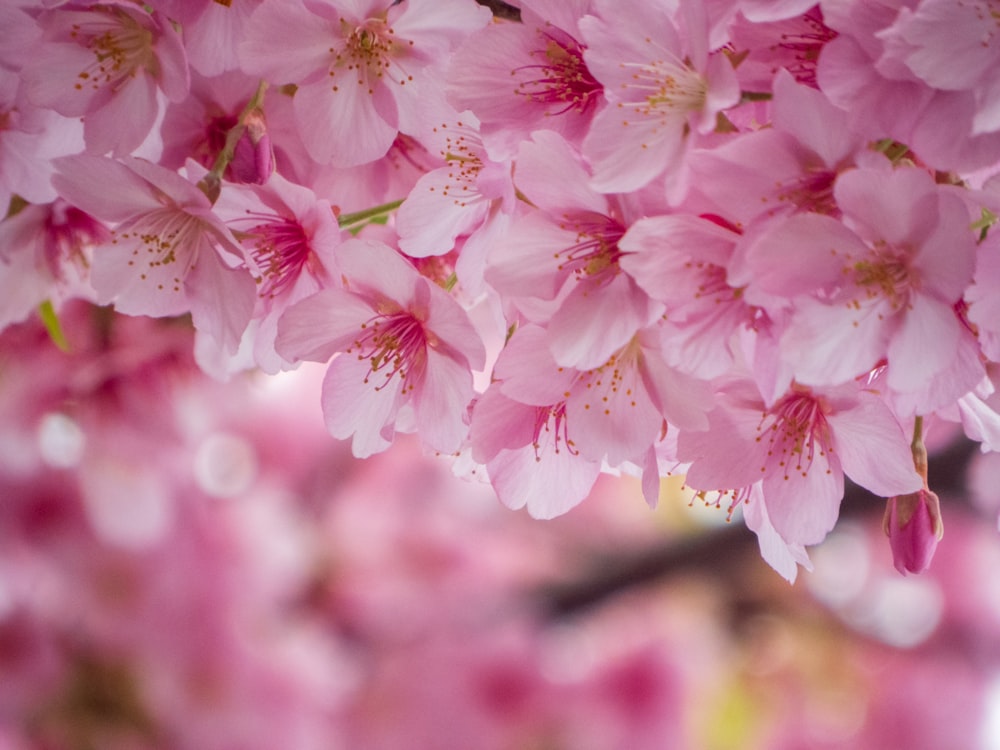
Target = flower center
(281,251)
(121,47)
(68,233)
(885,274)
(665,90)
(794,433)
(595,251)
(811,192)
(370,52)
(463,153)
(551,420)
(803,42)
(563,79)
(393,344)
(164,237)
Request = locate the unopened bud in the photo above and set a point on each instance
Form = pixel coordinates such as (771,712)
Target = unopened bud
(253,156)
(914,527)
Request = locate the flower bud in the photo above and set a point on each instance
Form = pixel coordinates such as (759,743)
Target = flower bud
(253,156)
(914,527)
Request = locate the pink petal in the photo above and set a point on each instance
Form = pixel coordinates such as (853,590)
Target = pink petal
(872,448)
(552,174)
(803,509)
(913,362)
(549,486)
(596,319)
(442,401)
(321,325)
(361,133)
(353,407)
(122,193)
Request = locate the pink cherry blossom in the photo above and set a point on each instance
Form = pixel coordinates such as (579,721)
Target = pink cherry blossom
(663,86)
(526,76)
(288,235)
(460,198)
(45,251)
(358,66)
(877,286)
(789,167)
(682,260)
(530,458)
(107,63)
(800,448)
(569,247)
(402,342)
(169,254)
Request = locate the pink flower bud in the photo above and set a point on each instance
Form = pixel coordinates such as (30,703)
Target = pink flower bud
(914,527)
(253,156)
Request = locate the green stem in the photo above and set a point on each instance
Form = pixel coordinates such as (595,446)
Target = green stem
(51,322)
(345,220)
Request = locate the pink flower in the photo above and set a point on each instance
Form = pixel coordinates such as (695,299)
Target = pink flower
(458,198)
(521,77)
(913,524)
(169,254)
(359,66)
(800,448)
(529,455)
(45,251)
(402,342)
(107,63)
(662,85)
(790,167)
(30,137)
(568,250)
(682,261)
(288,235)
(878,285)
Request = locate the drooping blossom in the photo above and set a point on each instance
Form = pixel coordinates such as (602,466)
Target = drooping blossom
(800,448)
(359,67)
(107,63)
(401,342)
(169,254)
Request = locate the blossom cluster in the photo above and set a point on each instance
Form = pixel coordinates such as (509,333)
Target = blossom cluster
(747,241)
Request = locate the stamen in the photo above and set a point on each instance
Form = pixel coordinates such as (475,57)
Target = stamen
(563,79)
(395,344)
